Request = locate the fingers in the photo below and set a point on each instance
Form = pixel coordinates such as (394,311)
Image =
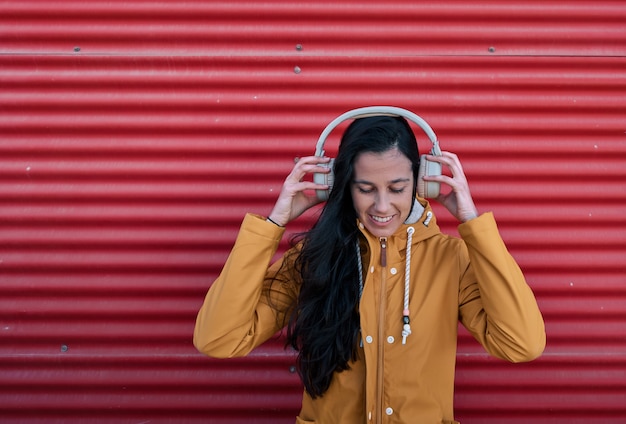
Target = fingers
(310,161)
(459,201)
(448,159)
(294,199)
(308,165)
(452,162)
(296,182)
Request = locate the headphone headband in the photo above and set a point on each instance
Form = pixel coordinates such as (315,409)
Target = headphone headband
(378,111)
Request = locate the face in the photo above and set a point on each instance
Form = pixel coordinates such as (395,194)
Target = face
(382,191)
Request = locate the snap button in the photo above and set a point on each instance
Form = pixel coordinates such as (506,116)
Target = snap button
(372,270)
(390,339)
(369,339)
(388,411)
(393,271)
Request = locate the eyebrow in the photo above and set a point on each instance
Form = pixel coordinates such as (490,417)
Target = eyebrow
(396,181)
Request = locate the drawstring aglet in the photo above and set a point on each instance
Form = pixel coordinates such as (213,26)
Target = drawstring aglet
(406,332)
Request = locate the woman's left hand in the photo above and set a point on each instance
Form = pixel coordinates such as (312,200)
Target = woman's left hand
(459,200)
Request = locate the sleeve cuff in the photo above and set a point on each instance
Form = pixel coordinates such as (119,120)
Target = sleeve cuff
(481,224)
(256,224)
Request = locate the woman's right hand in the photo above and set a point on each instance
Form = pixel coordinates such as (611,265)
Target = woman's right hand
(293,201)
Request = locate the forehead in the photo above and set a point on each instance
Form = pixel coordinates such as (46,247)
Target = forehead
(388,166)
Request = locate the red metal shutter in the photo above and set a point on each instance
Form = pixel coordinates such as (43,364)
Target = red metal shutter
(134,136)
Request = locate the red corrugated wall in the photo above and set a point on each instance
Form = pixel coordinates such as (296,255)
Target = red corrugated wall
(134,135)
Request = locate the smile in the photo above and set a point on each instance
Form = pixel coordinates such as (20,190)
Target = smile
(381,219)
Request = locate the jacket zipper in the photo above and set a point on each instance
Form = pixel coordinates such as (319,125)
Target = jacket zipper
(383,252)
(381,329)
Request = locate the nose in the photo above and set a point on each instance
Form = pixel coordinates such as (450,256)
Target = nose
(382,203)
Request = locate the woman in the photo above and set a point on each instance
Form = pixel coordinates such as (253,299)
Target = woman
(372,294)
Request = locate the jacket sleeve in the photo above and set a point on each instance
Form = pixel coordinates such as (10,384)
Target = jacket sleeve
(496,304)
(246,304)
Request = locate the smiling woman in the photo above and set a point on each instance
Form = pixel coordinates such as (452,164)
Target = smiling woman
(373,341)
(382,191)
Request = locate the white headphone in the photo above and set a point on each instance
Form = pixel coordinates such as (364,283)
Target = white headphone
(430,168)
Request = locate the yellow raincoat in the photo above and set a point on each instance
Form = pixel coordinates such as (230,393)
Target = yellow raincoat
(473,279)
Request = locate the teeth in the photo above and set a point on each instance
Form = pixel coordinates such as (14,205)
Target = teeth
(381,219)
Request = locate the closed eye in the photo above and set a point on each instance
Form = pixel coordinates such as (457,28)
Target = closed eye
(369,189)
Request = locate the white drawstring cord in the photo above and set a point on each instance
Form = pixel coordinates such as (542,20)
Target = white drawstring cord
(406,328)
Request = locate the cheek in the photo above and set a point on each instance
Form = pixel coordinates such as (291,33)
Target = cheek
(358,203)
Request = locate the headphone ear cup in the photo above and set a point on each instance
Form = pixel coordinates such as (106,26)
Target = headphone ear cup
(326,179)
(428,189)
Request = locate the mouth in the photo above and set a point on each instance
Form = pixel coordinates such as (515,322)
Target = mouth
(381,219)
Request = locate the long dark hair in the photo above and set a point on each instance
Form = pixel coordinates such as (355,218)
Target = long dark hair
(324,324)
